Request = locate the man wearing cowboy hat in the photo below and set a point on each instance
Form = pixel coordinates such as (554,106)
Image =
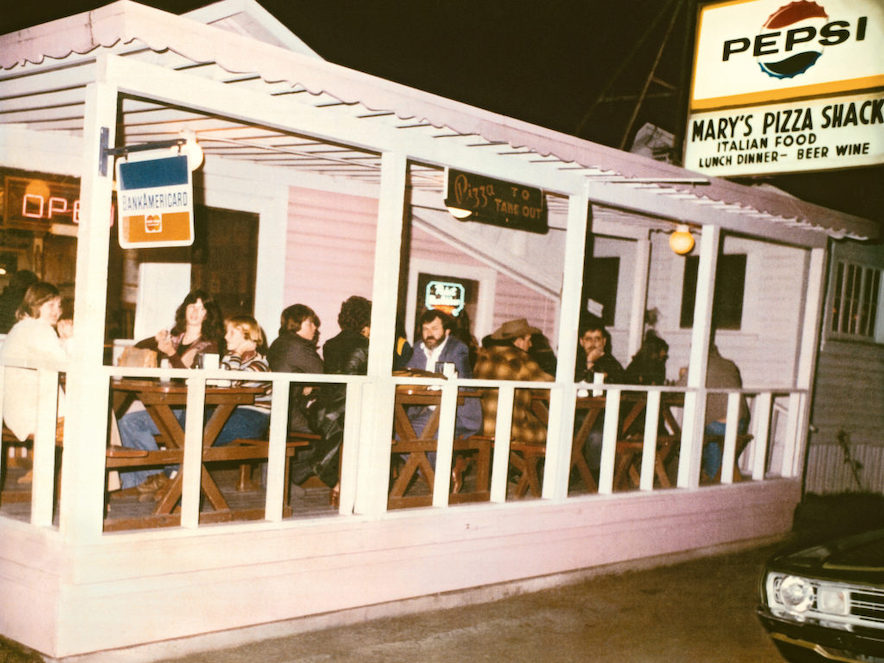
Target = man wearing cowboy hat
(508,359)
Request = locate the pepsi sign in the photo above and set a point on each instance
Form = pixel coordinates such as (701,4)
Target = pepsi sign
(786,86)
(762,51)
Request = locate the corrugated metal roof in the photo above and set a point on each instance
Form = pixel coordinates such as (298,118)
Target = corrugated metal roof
(47,68)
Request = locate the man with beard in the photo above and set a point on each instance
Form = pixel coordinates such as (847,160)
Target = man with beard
(440,352)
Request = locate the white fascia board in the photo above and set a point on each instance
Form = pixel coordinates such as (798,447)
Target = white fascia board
(202,94)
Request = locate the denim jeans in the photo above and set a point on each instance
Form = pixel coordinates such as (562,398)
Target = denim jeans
(712,452)
(137,431)
(243,423)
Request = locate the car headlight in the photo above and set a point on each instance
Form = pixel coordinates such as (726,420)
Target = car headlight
(832,600)
(804,598)
(796,594)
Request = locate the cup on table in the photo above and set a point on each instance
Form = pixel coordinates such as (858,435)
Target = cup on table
(446,368)
(598,379)
(210,361)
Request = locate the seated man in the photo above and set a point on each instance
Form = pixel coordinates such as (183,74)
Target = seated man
(593,357)
(594,354)
(721,373)
(507,358)
(294,351)
(437,348)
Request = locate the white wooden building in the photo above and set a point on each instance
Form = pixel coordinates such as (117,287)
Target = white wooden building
(345,174)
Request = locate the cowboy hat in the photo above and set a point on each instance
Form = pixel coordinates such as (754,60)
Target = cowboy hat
(514,329)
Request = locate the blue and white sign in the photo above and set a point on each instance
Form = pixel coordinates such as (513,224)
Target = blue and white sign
(155,201)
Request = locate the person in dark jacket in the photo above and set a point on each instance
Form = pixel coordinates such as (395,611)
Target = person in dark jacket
(345,354)
(594,357)
(594,354)
(648,366)
(294,351)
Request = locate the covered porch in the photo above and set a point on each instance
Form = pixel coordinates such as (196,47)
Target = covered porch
(346,176)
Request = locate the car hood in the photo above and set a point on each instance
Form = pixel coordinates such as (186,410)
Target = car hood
(859,557)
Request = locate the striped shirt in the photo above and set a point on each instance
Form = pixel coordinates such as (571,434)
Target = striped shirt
(250,361)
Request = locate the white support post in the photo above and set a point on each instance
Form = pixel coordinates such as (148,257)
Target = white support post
(730,437)
(43,483)
(351,448)
(561,407)
(609,441)
(373,470)
(559,436)
(792,443)
(276,458)
(444,441)
(377,404)
(82,488)
(649,444)
(191,466)
(639,294)
(572,275)
(501,463)
(388,244)
(761,417)
(799,418)
(695,401)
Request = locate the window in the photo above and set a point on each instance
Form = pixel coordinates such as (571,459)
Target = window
(600,285)
(856,291)
(727,303)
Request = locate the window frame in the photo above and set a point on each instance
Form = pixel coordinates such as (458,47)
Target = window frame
(869,285)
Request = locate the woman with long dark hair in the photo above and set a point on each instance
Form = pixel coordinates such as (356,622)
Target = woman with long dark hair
(198,330)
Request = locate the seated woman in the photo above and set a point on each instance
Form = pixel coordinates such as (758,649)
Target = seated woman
(245,343)
(32,338)
(197,331)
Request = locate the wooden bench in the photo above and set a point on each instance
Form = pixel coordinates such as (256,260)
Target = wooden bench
(296,440)
(115,458)
(476,448)
(628,456)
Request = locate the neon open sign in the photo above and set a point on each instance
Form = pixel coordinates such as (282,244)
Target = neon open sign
(37,203)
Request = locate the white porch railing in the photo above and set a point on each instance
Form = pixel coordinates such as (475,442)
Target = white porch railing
(774,451)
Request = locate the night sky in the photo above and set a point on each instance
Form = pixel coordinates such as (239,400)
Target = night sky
(544,61)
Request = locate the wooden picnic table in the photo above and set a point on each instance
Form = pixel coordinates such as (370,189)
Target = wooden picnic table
(160,399)
(415,447)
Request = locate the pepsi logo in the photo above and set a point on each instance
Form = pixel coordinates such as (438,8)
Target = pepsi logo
(802,21)
(793,39)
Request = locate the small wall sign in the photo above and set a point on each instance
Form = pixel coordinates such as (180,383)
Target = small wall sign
(444,296)
(497,202)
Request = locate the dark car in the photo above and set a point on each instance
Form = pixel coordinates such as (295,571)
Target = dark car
(825,602)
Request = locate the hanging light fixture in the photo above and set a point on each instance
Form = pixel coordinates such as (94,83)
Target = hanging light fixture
(191,149)
(681,241)
(459,213)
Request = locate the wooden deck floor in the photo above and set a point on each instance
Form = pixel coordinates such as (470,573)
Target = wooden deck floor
(309,501)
